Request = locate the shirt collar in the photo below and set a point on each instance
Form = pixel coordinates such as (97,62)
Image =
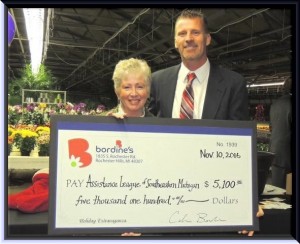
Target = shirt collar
(200,72)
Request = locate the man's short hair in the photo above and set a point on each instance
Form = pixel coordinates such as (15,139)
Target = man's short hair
(193,13)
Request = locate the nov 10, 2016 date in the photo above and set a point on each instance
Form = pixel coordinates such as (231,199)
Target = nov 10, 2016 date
(219,154)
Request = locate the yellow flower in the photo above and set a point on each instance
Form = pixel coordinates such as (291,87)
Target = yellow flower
(24,133)
(15,133)
(10,130)
(42,105)
(42,129)
(25,139)
(28,133)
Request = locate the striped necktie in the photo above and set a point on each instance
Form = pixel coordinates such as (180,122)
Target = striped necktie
(187,103)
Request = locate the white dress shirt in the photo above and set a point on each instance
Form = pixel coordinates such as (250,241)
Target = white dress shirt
(199,87)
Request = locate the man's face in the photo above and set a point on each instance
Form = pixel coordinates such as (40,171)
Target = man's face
(191,39)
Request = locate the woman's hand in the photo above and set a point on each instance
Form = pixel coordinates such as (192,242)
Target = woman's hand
(117,115)
(260,213)
(131,234)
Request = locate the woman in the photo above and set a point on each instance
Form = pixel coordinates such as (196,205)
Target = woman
(132,81)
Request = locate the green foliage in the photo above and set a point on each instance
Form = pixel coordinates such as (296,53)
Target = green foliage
(27,118)
(40,81)
(14,118)
(263,147)
(35,118)
(27,144)
(263,143)
(18,140)
(14,99)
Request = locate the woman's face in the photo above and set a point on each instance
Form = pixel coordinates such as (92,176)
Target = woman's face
(133,94)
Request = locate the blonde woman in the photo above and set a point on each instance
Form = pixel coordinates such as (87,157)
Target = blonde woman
(132,82)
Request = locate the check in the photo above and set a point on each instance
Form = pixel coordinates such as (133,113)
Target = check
(151,175)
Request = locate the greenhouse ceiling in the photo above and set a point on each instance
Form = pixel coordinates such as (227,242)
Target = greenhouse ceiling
(85,44)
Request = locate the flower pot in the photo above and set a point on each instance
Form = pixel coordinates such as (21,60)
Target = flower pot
(25,153)
(15,151)
(44,150)
(43,153)
(35,151)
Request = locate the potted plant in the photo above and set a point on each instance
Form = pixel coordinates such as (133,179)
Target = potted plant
(25,140)
(14,114)
(43,142)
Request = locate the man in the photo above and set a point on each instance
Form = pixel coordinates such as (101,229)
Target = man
(281,132)
(218,93)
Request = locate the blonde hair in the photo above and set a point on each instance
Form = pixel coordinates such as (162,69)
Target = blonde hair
(131,66)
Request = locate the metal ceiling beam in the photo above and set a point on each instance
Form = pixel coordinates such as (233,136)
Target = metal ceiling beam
(248,39)
(259,53)
(68,14)
(95,52)
(68,24)
(18,34)
(113,64)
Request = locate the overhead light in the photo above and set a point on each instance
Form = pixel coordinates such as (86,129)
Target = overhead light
(34,19)
(266,84)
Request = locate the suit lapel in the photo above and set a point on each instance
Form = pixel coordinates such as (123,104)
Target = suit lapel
(215,89)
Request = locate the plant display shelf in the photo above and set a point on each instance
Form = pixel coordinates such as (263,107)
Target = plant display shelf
(43,96)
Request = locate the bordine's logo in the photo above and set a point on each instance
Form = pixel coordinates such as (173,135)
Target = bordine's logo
(119,143)
(78,153)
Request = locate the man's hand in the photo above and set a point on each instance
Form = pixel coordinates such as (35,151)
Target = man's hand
(260,213)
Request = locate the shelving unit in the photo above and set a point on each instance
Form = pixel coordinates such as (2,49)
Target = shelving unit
(43,96)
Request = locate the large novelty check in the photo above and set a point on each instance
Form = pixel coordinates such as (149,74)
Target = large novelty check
(151,175)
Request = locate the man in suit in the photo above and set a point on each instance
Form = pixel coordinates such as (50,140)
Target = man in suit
(218,93)
(281,133)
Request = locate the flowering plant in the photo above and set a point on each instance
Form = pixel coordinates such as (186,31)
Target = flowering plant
(42,129)
(29,125)
(35,118)
(43,140)
(14,114)
(24,139)
(39,113)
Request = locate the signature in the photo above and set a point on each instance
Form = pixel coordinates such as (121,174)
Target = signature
(178,217)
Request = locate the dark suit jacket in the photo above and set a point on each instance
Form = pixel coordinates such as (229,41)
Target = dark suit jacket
(226,95)
(281,131)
